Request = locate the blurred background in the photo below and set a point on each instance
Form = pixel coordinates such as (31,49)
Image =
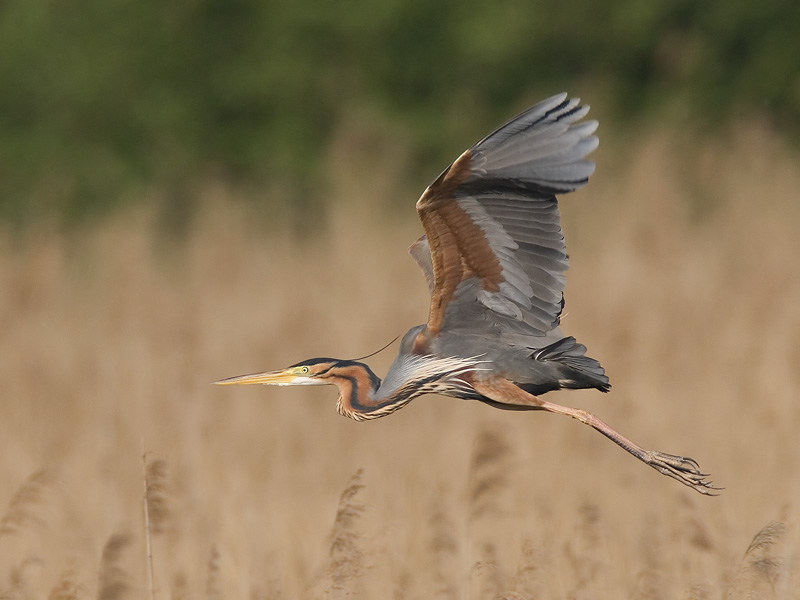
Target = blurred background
(196,189)
(108,102)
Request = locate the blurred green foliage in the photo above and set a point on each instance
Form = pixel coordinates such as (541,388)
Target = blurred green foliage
(101,98)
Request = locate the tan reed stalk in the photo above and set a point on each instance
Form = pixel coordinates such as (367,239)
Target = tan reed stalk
(155,509)
(148,549)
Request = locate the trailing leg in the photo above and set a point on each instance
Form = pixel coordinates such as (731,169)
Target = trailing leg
(686,470)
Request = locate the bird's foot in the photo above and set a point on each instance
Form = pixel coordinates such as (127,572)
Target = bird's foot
(686,470)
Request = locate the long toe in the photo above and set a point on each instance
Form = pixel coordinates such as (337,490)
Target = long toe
(684,469)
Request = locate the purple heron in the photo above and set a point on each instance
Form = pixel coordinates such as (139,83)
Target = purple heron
(494,257)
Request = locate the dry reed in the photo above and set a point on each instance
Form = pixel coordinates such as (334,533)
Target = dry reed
(155,510)
(487,505)
(20,579)
(760,568)
(157,495)
(683,283)
(346,554)
(584,553)
(24,508)
(488,474)
(115,581)
(180,587)
(649,584)
(527,581)
(68,587)
(213,589)
(443,552)
(698,591)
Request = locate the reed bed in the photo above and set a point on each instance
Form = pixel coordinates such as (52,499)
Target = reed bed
(684,283)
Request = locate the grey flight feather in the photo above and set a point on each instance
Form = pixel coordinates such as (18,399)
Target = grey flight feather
(516,171)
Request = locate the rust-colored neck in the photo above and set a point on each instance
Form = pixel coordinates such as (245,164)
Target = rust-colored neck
(357,392)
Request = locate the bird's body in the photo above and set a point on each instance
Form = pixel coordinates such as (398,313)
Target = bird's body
(494,257)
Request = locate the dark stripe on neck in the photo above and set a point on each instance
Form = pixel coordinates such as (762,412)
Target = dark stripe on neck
(353,397)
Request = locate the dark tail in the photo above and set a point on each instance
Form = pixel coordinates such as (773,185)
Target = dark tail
(578,370)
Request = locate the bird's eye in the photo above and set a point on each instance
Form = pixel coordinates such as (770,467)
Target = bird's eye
(304,369)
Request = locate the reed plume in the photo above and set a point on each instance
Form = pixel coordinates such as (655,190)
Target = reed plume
(488,473)
(650,584)
(488,487)
(214,575)
(20,588)
(155,510)
(156,495)
(443,553)
(346,554)
(24,507)
(760,568)
(114,582)
(67,587)
(527,581)
(583,551)
(698,591)
(180,587)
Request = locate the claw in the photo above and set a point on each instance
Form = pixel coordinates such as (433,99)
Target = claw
(684,469)
(690,460)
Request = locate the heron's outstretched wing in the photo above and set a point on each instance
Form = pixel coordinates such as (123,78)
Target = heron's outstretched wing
(493,226)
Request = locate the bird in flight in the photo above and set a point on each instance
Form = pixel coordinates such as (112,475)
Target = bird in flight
(494,257)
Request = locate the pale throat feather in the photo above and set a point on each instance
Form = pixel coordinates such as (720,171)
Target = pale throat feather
(361,400)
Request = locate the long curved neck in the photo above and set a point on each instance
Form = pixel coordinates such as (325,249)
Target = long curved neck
(358,387)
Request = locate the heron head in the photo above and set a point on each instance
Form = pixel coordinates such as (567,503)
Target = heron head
(314,371)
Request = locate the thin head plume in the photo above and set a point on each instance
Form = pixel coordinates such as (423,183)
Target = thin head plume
(378,351)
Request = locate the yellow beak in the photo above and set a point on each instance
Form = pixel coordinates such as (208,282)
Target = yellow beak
(282,377)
